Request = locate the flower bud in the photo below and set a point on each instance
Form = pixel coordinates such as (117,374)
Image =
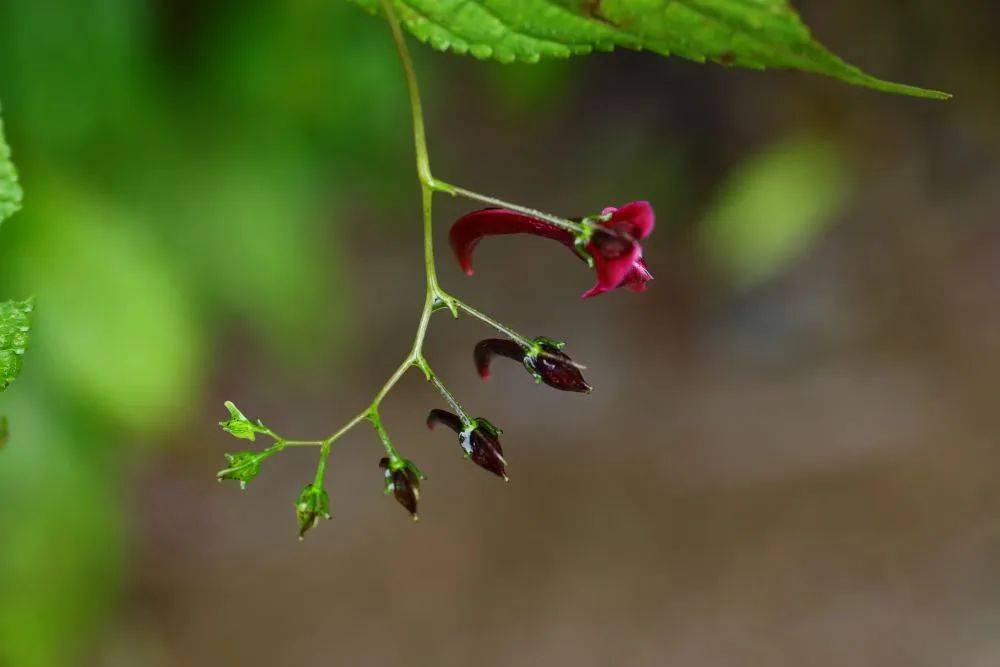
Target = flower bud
(312,505)
(239,426)
(480,440)
(242,467)
(555,368)
(486,349)
(402,478)
(545,360)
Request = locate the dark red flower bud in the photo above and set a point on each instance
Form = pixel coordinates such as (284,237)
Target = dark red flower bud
(612,240)
(402,478)
(486,349)
(555,368)
(480,440)
(545,360)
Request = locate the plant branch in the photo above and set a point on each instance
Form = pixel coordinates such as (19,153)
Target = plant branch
(568,225)
(324,454)
(502,328)
(434,297)
(416,108)
(443,390)
(383,435)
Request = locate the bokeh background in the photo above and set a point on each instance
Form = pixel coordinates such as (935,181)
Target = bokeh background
(791,456)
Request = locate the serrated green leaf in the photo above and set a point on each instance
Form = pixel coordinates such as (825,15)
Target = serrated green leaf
(15,328)
(748,33)
(10,190)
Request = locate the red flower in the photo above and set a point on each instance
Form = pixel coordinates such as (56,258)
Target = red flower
(611,239)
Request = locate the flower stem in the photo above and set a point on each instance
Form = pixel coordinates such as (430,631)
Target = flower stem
(502,328)
(454,190)
(383,435)
(324,454)
(280,442)
(434,295)
(448,396)
(358,418)
(416,108)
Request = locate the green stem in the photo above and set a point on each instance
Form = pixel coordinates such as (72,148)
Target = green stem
(273,449)
(358,418)
(281,442)
(434,296)
(324,454)
(568,225)
(383,435)
(427,193)
(416,108)
(443,390)
(502,328)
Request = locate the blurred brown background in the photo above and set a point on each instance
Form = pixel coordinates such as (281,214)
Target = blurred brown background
(791,454)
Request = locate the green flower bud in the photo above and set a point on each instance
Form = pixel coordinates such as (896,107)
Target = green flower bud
(243,467)
(239,426)
(313,504)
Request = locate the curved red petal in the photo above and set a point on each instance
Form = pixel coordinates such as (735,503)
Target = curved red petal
(635,218)
(594,291)
(471,228)
(444,417)
(486,349)
(637,276)
(614,259)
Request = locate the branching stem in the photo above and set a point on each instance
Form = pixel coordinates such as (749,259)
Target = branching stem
(447,395)
(435,298)
(454,190)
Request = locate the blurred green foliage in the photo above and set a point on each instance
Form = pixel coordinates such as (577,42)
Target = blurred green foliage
(772,207)
(184,164)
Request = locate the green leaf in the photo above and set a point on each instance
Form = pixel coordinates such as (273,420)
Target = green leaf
(10,190)
(15,327)
(748,33)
